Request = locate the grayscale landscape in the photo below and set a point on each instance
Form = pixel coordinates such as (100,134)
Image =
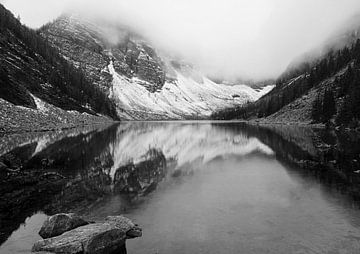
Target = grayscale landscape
(157,126)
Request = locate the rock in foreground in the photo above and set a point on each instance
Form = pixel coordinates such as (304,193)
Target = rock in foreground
(60,223)
(96,238)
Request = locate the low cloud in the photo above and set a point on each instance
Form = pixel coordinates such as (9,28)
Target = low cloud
(245,38)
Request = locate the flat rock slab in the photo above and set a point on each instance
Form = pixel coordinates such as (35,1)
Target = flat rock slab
(96,238)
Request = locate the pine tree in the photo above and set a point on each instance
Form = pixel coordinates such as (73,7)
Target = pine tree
(355,99)
(329,106)
(345,113)
(317,109)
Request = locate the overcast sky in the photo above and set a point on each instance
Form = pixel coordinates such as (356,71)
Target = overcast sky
(251,38)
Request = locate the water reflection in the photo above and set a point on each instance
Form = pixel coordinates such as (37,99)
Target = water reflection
(183,143)
(196,187)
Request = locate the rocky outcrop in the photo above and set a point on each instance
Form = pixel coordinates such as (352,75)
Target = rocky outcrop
(87,45)
(60,223)
(80,44)
(96,238)
(150,70)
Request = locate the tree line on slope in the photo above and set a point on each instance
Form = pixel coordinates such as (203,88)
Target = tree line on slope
(341,102)
(63,76)
(341,98)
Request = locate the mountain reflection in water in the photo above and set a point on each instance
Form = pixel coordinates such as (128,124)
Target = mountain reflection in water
(194,186)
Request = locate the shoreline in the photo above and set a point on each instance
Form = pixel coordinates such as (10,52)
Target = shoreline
(16,119)
(31,121)
(25,130)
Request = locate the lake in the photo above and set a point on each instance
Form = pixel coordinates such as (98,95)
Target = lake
(194,187)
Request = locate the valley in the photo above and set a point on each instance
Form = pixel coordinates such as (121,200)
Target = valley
(155,126)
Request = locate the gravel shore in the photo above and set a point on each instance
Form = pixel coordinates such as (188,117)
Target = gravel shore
(17,119)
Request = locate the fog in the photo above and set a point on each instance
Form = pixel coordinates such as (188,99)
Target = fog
(232,38)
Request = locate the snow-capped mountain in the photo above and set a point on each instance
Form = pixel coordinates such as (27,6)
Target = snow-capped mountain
(144,83)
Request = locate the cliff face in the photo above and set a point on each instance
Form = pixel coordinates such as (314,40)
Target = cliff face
(39,89)
(143,82)
(89,45)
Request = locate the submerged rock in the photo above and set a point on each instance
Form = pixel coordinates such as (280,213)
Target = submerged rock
(96,238)
(60,223)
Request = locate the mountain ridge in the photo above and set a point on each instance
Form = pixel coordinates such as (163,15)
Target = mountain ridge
(149,85)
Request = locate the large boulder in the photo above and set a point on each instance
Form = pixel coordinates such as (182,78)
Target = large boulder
(60,223)
(97,238)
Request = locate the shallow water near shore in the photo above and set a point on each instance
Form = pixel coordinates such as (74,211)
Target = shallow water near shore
(194,187)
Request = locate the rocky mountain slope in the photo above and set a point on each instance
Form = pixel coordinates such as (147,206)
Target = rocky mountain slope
(30,70)
(144,82)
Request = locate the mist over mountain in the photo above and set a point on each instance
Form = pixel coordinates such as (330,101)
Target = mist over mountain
(187,60)
(144,81)
(344,36)
(321,86)
(247,39)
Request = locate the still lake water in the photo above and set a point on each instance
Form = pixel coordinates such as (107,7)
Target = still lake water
(194,187)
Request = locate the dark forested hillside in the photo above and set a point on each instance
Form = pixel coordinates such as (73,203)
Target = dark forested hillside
(331,86)
(29,65)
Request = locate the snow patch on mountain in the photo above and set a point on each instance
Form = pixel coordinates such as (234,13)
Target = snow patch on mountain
(183,97)
(40,104)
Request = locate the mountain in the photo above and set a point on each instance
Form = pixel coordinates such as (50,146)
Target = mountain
(33,72)
(344,36)
(75,70)
(321,87)
(144,82)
